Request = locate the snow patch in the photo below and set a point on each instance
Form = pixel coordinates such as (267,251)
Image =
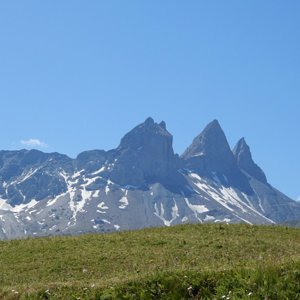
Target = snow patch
(52,227)
(199,154)
(28,175)
(52,201)
(226,196)
(231,196)
(160,214)
(77,174)
(230,193)
(107,186)
(208,218)
(96,193)
(64,176)
(102,205)
(259,202)
(77,206)
(196,208)
(27,206)
(174,213)
(124,201)
(246,221)
(131,187)
(86,195)
(98,171)
(203,186)
(4,205)
(105,221)
(184,219)
(88,181)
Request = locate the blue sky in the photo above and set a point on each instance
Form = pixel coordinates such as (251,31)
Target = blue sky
(77,75)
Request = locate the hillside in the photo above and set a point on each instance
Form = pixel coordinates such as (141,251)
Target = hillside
(181,262)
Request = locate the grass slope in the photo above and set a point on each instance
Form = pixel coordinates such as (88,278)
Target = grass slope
(182,262)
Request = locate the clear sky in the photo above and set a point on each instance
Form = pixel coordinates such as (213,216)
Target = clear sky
(77,75)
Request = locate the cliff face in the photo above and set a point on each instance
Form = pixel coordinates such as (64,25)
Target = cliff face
(245,162)
(209,155)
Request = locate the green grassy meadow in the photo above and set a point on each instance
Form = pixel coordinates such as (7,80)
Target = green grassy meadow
(211,261)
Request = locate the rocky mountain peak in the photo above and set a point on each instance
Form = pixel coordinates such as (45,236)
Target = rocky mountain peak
(242,148)
(147,134)
(163,125)
(145,154)
(245,162)
(210,155)
(141,183)
(149,121)
(210,142)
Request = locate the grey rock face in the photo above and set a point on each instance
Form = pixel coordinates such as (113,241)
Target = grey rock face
(91,160)
(142,183)
(27,175)
(211,148)
(210,155)
(274,204)
(245,162)
(145,155)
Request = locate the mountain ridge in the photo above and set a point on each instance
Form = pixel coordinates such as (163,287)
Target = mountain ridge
(141,183)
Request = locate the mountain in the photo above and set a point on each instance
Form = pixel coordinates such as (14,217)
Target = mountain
(141,183)
(210,156)
(245,162)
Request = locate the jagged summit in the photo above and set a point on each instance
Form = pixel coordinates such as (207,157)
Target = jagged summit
(139,184)
(145,154)
(210,155)
(213,125)
(245,162)
(163,125)
(149,120)
(143,135)
(242,146)
(212,145)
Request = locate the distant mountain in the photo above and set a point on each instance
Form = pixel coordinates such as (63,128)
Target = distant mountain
(141,183)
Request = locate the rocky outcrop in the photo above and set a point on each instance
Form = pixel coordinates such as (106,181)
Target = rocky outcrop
(210,150)
(32,174)
(245,162)
(145,155)
(210,155)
